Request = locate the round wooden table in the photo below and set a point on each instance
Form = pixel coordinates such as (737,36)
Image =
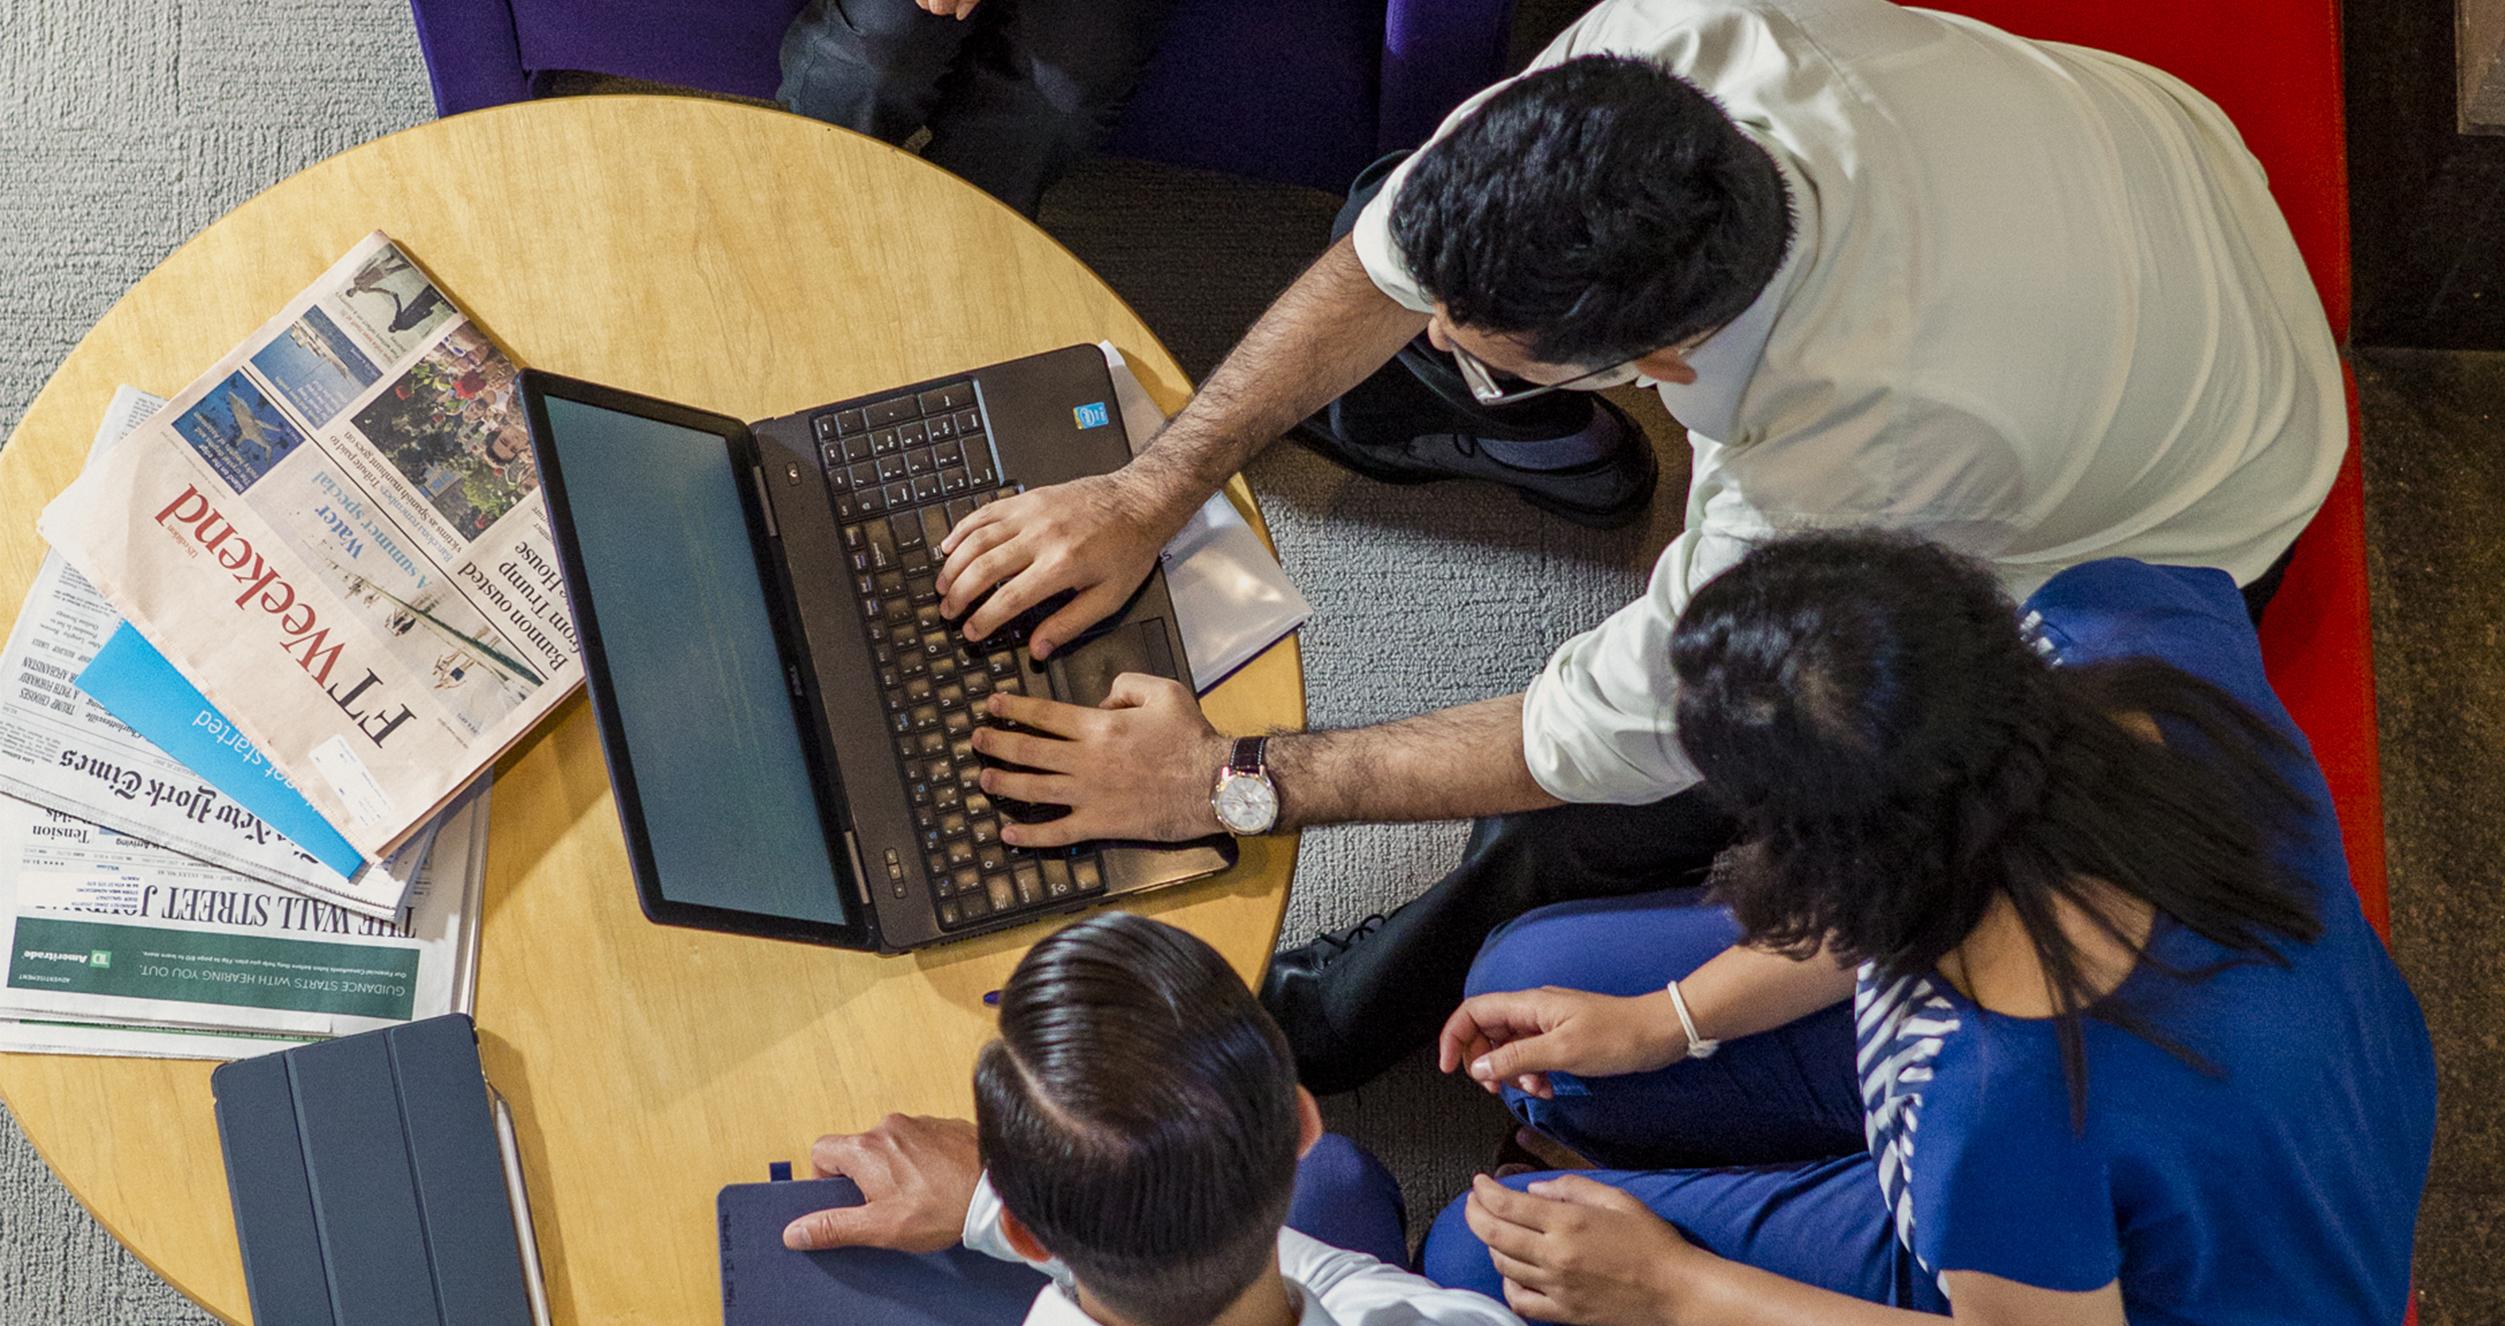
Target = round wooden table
(737,259)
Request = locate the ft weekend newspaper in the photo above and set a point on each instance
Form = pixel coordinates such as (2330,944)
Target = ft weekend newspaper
(336,534)
(62,749)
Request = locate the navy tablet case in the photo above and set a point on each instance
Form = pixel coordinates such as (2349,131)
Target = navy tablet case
(369,1183)
(767,1284)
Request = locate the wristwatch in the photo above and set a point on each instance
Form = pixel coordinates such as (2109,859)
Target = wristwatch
(1246,800)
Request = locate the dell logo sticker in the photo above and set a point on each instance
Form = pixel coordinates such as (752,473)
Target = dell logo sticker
(1091,415)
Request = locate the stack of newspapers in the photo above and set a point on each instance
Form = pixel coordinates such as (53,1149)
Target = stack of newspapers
(291,617)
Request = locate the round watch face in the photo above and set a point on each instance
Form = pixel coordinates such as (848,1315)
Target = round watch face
(1246,804)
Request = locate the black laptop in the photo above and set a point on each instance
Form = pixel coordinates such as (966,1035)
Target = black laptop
(786,715)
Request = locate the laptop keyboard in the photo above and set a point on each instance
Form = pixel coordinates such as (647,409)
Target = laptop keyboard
(902,472)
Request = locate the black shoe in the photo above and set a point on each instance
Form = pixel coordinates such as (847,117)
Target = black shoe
(1326,1061)
(1603,494)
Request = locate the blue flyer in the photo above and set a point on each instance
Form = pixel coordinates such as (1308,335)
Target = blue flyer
(135,684)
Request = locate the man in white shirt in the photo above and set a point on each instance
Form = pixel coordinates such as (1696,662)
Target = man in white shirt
(2029,300)
(1137,1137)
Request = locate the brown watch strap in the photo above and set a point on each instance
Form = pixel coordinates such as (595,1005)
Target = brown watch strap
(1248,755)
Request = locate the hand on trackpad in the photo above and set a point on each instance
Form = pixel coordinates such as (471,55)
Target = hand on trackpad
(1084,674)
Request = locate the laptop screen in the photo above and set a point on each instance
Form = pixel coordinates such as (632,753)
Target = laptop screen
(695,678)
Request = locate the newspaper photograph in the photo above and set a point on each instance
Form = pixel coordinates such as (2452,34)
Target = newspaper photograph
(61,749)
(106,933)
(336,535)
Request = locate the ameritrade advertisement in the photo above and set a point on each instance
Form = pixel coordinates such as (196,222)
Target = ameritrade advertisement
(336,534)
(104,932)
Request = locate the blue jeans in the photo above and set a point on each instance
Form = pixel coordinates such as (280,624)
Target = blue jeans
(1756,1154)
(1344,1197)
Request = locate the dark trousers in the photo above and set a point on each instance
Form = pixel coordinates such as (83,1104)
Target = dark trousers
(1344,1197)
(2265,586)
(1012,95)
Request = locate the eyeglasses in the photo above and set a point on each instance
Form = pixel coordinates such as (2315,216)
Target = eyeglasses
(1488,387)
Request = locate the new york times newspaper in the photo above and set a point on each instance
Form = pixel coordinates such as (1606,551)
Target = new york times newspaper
(336,534)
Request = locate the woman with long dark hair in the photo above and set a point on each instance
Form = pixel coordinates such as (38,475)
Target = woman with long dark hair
(2032,991)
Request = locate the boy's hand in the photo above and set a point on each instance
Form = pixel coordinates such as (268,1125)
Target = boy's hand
(917,1176)
(948,8)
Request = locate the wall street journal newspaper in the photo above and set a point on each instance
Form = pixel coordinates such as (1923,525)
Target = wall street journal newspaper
(337,535)
(111,946)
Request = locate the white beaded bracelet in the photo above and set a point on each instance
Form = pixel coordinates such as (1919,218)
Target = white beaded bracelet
(1697,1046)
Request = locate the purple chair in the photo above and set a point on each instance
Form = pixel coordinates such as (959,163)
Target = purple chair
(1299,91)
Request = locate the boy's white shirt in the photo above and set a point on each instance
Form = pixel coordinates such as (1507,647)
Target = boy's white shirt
(1335,1286)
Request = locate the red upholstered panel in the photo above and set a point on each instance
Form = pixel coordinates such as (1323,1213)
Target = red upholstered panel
(2318,642)
(2274,67)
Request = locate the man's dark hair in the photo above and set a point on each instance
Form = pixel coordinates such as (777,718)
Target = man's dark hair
(1138,1114)
(1899,755)
(1599,209)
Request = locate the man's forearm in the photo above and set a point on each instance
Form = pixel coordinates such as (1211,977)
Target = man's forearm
(1456,763)
(1325,334)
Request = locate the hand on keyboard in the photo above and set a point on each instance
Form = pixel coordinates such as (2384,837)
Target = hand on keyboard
(1024,812)
(1014,632)
(1140,768)
(1018,631)
(1093,540)
(900,472)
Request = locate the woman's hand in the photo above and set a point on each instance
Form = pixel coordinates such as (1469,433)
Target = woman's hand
(1574,1250)
(1522,1036)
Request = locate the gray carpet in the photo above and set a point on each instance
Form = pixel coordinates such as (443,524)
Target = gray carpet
(124,128)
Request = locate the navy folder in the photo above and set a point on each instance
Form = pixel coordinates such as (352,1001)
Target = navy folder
(767,1284)
(369,1183)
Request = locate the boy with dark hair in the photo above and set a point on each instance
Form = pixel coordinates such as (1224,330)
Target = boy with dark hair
(1137,1136)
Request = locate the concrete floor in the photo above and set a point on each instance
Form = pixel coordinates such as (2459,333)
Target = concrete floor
(2435,484)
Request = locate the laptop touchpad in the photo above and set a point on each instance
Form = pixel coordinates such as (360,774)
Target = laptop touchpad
(1085,674)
